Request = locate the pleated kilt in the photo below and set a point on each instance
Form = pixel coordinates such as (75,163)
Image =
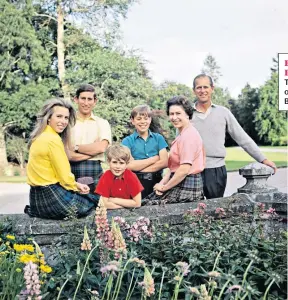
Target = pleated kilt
(87,168)
(188,190)
(54,202)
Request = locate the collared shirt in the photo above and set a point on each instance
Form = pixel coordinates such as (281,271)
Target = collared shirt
(126,187)
(200,114)
(142,149)
(187,148)
(87,131)
(48,162)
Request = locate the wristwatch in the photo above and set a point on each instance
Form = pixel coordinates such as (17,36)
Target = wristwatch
(76,148)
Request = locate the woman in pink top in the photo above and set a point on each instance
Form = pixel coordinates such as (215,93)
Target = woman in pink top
(183,182)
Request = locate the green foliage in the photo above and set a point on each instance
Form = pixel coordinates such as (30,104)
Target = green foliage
(22,62)
(119,80)
(225,257)
(17,149)
(245,110)
(271,124)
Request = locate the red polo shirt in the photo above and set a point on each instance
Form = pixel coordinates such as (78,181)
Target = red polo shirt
(126,187)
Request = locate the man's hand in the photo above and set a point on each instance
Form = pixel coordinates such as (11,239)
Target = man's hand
(270,164)
(83,188)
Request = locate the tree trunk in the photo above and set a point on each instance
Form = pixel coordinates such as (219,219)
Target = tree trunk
(3,155)
(61,49)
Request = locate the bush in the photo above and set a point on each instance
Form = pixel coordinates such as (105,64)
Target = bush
(205,258)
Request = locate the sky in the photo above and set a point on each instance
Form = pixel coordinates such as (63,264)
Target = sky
(174,37)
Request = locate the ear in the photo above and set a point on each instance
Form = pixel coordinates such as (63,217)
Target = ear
(75,99)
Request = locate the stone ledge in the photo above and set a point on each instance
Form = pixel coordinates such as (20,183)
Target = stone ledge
(48,231)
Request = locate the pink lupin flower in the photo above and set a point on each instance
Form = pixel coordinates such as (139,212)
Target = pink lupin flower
(31,275)
(220,212)
(271,211)
(202,205)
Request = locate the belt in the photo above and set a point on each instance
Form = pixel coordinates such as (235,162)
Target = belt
(149,176)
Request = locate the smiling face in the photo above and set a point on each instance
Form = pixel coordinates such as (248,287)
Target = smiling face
(141,123)
(59,119)
(203,90)
(86,102)
(117,166)
(178,117)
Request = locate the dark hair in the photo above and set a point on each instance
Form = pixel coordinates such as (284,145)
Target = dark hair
(85,88)
(145,110)
(180,101)
(203,75)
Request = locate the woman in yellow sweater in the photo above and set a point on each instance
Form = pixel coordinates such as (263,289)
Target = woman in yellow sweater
(54,193)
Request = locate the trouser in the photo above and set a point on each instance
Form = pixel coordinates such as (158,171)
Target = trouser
(148,180)
(214,180)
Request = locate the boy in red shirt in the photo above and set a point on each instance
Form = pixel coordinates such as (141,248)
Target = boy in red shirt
(119,187)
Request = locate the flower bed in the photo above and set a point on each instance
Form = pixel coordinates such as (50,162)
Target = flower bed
(205,258)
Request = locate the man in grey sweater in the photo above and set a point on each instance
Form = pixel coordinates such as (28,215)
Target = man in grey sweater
(212,121)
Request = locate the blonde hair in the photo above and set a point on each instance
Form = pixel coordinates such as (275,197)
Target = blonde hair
(45,114)
(118,152)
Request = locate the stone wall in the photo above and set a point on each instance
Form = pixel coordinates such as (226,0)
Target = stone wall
(46,232)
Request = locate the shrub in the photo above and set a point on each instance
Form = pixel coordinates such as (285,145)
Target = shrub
(204,258)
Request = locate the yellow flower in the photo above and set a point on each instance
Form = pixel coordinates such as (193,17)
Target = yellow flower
(0,239)
(45,269)
(18,270)
(23,247)
(25,258)
(10,237)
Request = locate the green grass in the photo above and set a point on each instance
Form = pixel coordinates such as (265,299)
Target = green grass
(14,179)
(237,157)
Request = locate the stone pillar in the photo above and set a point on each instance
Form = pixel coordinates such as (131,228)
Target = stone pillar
(256,175)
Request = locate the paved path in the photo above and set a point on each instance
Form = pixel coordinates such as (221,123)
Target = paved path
(14,196)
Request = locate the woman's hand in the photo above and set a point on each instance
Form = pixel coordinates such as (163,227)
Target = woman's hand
(159,188)
(83,188)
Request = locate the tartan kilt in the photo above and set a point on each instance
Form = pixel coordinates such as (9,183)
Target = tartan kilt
(54,202)
(189,189)
(87,168)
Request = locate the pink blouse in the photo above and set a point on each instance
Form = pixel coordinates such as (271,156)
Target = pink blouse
(187,148)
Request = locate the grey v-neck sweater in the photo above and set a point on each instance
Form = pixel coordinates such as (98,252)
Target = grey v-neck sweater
(213,129)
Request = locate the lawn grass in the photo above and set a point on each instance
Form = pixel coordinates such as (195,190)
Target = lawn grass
(236,157)
(13,179)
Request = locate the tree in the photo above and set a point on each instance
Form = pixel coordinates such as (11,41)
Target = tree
(211,68)
(22,62)
(17,149)
(247,105)
(100,16)
(271,124)
(119,79)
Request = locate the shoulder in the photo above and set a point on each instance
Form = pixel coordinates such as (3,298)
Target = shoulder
(49,138)
(221,109)
(130,175)
(101,120)
(191,131)
(128,139)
